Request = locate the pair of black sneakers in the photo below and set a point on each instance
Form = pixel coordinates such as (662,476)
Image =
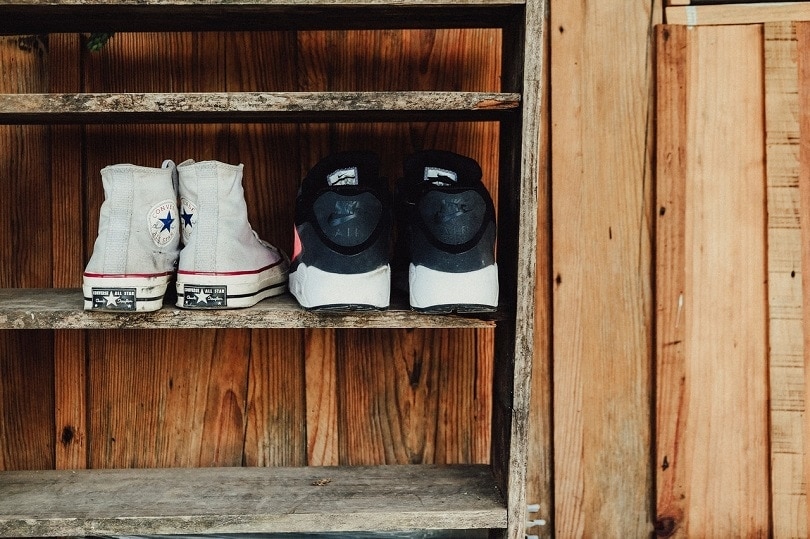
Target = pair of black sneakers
(344,218)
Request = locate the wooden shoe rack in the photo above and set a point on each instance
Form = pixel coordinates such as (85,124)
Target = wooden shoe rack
(309,499)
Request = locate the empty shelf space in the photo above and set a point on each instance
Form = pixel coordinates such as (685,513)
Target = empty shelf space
(46,308)
(252,106)
(244,500)
(45,16)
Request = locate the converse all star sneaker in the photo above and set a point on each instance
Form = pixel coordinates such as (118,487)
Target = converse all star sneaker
(223,263)
(135,254)
(342,235)
(449,222)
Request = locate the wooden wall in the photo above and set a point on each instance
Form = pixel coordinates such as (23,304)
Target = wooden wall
(678,171)
(74,399)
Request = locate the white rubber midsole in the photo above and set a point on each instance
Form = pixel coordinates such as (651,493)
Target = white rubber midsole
(313,287)
(206,291)
(140,294)
(431,288)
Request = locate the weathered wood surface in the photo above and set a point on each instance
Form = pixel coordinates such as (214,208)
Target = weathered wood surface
(803,106)
(244,500)
(601,155)
(712,348)
(246,106)
(785,275)
(738,13)
(51,308)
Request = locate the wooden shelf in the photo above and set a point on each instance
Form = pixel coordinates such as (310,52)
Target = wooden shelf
(37,308)
(252,107)
(244,500)
(48,16)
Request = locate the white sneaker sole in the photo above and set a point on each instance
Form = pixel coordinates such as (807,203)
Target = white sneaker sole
(473,291)
(124,293)
(207,290)
(318,289)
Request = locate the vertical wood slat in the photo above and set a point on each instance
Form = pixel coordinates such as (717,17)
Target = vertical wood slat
(787,392)
(712,412)
(68,257)
(276,425)
(803,44)
(26,364)
(601,279)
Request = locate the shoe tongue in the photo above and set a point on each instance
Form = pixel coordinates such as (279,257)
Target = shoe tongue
(343,176)
(440,176)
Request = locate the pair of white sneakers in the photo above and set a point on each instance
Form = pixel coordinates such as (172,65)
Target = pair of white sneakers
(145,239)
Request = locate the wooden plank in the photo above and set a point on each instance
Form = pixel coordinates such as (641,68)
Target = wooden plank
(244,500)
(539,467)
(601,279)
(26,367)
(149,406)
(803,44)
(35,308)
(26,401)
(248,106)
(276,414)
(406,396)
(70,368)
(738,13)
(712,376)
(787,399)
(321,398)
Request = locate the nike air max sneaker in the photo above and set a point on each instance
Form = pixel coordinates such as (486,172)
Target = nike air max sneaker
(449,222)
(342,235)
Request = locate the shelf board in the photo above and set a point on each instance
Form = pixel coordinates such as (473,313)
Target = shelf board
(50,16)
(61,308)
(245,500)
(252,107)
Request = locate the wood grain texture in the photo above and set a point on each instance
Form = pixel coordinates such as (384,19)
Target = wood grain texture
(803,44)
(406,396)
(245,500)
(249,106)
(738,13)
(785,336)
(70,368)
(601,204)
(26,362)
(167,398)
(712,376)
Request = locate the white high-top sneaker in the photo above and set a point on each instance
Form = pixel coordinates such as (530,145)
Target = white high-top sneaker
(223,263)
(135,253)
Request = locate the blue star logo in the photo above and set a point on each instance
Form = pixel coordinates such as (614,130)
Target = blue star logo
(186,218)
(167,222)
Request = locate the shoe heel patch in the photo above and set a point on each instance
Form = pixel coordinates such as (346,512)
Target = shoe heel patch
(113,299)
(204,297)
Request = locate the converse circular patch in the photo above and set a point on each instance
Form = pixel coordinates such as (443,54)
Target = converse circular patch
(188,218)
(162,222)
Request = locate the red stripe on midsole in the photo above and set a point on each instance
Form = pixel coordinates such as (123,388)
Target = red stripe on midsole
(225,273)
(127,275)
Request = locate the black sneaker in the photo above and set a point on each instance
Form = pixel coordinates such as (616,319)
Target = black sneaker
(449,222)
(342,235)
